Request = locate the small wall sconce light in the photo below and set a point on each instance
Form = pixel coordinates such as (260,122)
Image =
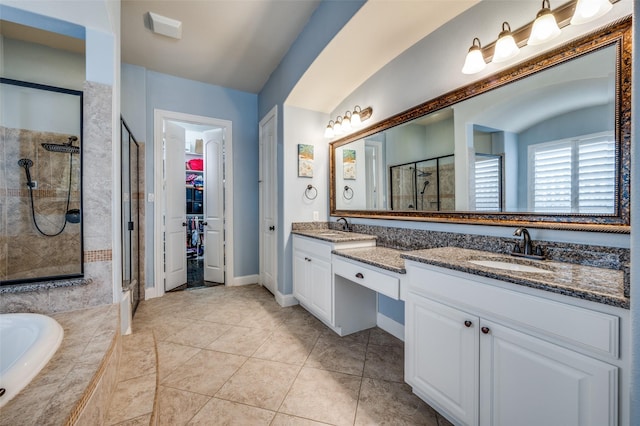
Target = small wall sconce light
(589,10)
(475,61)
(544,28)
(506,47)
(350,121)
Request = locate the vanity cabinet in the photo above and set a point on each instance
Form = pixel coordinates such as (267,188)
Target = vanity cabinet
(496,359)
(313,274)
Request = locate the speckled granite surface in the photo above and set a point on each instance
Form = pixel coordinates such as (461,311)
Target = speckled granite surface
(309,226)
(334,236)
(24,288)
(381,257)
(585,282)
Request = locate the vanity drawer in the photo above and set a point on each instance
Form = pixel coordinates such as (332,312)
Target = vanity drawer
(367,276)
(313,247)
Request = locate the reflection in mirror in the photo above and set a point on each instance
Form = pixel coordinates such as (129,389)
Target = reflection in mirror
(541,141)
(41,142)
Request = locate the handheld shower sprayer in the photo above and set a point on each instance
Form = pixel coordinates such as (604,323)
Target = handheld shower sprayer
(26,163)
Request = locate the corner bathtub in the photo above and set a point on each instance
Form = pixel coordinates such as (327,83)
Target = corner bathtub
(27,343)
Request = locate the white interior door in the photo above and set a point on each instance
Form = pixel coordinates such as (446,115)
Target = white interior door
(175,208)
(268,206)
(214,206)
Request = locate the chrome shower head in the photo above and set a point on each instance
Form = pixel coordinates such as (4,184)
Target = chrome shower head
(67,148)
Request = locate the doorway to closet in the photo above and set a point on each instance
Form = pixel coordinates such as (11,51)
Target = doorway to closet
(193,200)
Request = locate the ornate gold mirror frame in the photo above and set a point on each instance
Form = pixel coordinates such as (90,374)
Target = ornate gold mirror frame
(617,34)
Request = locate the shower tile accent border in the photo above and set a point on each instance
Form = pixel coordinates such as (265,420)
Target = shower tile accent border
(97,256)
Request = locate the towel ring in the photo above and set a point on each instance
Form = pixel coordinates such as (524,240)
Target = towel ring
(311,190)
(347,190)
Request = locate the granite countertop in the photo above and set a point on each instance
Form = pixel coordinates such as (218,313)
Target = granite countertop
(333,236)
(586,282)
(381,257)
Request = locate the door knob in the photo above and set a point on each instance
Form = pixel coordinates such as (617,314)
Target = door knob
(272,228)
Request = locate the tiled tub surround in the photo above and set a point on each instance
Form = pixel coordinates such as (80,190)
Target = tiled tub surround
(26,253)
(584,282)
(75,387)
(97,213)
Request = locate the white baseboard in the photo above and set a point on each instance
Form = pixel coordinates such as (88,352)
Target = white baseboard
(285,300)
(390,326)
(246,280)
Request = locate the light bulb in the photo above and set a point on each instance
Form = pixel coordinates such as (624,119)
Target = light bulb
(475,61)
(545,27)
(346,121)
(589,10)
(506,47)
(328,132)
(356,120)
(337,128)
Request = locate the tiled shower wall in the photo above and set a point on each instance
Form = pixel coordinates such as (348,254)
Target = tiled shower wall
(405,190)
(30,254)
(97,183)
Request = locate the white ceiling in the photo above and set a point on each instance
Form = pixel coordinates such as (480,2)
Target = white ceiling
(231,43)
(238,43)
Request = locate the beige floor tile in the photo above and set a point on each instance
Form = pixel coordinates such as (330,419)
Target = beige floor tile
(172,356)
(292,348)
(205,372)
(287,420)
(340,355)
(132,398)
(177,407)
(138,421)
(167,326)
(324,396)
(385,362)
(264,320)
(218,412)
(240,340)
(390,403)
(199,334)
(260,383)
(378,336)
(138,356)
(442,421)
(230,313)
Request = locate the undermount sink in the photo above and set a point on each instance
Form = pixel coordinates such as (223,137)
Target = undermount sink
(508,266)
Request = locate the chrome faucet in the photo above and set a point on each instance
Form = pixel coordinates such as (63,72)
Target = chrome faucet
(345,226)
(527,249)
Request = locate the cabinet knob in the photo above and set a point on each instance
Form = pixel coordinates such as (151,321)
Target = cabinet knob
(205,223)
(359,275)
(184,223)
(272,228)
(485,330)
(307,259)
(468,323)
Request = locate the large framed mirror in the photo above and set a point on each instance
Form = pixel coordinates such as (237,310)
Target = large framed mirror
(545,143)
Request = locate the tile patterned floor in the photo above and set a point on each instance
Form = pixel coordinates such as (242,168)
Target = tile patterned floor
(233,356)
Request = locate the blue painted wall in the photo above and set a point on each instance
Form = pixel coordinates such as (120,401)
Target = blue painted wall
(144,91)
(324,24)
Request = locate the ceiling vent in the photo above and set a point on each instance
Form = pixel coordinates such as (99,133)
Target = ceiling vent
(165,26)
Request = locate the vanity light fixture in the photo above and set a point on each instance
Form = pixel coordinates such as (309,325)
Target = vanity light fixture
(350,121)
(589,10)
(545,27)
(337,128)
(475,61)
(328,132)
(506,47)
(346,121)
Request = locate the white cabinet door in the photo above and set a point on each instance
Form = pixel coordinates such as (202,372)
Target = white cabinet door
(441,357)
(300,283)
(321,294)
(527,381)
